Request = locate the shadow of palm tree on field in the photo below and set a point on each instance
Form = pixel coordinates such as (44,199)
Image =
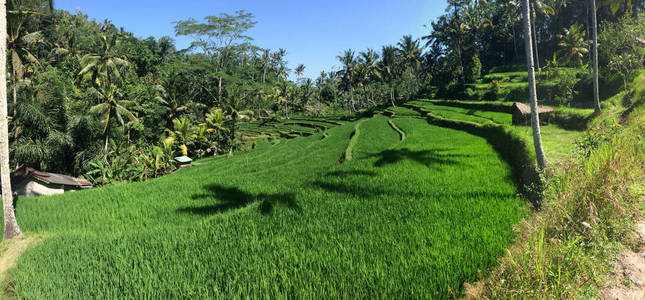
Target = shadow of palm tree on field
(230,198)
(428,158)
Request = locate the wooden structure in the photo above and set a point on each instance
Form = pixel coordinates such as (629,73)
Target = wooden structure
(522,114)
(27,181)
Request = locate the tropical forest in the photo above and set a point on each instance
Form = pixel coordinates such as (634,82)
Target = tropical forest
(499,154)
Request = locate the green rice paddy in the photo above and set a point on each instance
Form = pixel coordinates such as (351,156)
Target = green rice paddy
(411,217)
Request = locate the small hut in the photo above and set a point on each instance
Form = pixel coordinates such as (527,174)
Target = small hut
(27,181)
(183,161)
(522,114)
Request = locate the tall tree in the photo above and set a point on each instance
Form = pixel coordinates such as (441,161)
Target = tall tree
(218,37)
(348,73)
(572,44)
(11,228)
(535,116)
(300,69)
(410,52)
(596,89)
(112,109)
(388,68)
(105,66)
(18,40)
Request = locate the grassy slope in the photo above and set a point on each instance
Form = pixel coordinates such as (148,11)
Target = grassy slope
(558,143)
(406,218)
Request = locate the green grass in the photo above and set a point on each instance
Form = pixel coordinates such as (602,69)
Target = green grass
(412,218)
(465,114)
(558,142)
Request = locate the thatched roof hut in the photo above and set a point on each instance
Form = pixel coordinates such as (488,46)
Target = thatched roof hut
(522,114)
(27,181)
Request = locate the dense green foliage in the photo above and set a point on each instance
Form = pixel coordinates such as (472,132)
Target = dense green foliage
(412,217)
(91,99)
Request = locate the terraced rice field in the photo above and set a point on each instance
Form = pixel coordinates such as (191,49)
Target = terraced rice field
(413,215)
(558,142)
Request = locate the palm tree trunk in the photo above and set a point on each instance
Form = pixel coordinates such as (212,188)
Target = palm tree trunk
(219,89)
(535,117)
(596,89)
(461,62)
(392,95)
(351,99)
(11,228)
(535,39)
(264,74)
(107,140)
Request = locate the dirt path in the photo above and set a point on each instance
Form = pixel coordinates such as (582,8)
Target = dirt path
(629,271)
(10,251)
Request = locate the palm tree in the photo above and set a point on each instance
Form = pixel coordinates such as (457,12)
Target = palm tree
(388,68)
(615,5)
(347,73)
(112,108)
(369,59)
(410,52)
(266,60)
(535,117)
(182,133)
(572,44)
(596,89)
(544,9)
(18,12)
(215,120)
(11,228)
(300,69)
(104,66)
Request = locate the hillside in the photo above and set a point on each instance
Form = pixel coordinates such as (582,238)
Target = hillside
(417,216)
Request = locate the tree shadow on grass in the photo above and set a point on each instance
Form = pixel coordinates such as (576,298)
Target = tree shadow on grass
(231,198)
(429,158)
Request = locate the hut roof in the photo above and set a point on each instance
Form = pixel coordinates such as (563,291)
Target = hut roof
(526,110)
(23,173)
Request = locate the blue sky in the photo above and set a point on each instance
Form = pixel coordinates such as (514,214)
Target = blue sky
(312,32)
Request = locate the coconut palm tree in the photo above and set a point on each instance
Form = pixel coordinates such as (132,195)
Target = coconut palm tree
(572,44)
(541,7)
(11,228)
(535,117)
(18,41)
(409,52)
(104,67)
(388,69)
(300,69)
(369,59)
(111,109)
(348,73)
(615,5)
